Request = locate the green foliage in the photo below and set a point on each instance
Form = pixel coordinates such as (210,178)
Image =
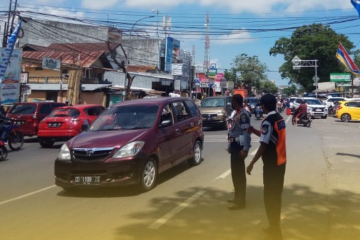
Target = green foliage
(247,70)
(312,42)
(291,90)
(268,86)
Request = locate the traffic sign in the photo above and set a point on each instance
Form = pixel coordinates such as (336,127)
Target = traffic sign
(315,79)
(197,82)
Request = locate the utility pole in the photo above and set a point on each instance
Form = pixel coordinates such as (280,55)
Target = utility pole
(6,28)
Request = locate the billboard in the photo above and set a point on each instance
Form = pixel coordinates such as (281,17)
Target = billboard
(340,77)
(10,83)
(172,53)
(52,64)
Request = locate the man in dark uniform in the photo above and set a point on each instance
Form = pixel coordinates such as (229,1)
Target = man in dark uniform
(273,152)
(240,143)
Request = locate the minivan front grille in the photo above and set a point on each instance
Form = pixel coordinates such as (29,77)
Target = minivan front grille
(91,154)
(209,115)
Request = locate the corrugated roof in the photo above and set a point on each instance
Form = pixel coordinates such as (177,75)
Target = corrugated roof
(73,47)
(142,69)
(87,59)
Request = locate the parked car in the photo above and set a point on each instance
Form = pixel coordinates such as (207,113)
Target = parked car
(315,107)
(330,101)
(131,143)
(251,103)
(215,111)
(65,123)
(348,111)
(28,115)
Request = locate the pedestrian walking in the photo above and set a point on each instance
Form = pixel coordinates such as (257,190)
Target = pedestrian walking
(273,152)
(240,143)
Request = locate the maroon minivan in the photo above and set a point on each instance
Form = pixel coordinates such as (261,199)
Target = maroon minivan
(131,143)
(28,115)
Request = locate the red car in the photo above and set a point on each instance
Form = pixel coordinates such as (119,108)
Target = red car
(131,143)
(65,123)
(28,115)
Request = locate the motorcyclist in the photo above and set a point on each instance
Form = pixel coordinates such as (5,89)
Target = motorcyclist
(301,111)
(3,119)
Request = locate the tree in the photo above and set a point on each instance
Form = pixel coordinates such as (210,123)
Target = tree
(122,66)
(357,57)
(269,87)
(311,42)
(291,90)
(248,70)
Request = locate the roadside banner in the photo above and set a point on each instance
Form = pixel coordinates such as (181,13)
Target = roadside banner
(7,52)
(52,64)
(10,84)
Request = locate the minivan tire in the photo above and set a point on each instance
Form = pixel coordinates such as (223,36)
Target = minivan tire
(197,154)
(148,175)
(46,143)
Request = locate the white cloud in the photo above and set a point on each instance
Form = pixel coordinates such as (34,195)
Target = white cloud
(51,11)
(235,37)
(238,6)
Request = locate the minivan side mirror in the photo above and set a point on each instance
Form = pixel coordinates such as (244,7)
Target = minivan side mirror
(165,123)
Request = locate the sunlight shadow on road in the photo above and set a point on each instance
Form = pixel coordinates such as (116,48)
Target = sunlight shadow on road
(307,215)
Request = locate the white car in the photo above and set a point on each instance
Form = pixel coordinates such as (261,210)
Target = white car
(330,101)
(292,100)
(315,107)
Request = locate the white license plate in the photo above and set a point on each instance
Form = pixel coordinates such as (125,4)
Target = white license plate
(87,180)
(318,110)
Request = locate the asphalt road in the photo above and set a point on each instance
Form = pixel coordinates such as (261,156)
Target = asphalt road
(320,199)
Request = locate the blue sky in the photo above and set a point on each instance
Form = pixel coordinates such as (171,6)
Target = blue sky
(235,15)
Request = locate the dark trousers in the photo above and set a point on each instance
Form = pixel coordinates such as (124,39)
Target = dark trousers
(238,173)
(273,187)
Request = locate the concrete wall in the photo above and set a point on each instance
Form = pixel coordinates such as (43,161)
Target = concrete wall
(143,52)
(93,98)
(48,32)
(37,95)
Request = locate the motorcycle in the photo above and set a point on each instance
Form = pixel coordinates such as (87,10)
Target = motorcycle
(15,138)
(331,111)
(280,107)
(304,120)
(259,113)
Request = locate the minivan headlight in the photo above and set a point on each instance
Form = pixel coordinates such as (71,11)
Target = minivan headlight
(129,150)
(64,153)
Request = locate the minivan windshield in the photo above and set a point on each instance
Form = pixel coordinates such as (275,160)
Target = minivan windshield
(313,102)
(22,109)
(213,102)
(125,118)
(66,112)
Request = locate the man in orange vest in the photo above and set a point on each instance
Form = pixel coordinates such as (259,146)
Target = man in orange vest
(273,152)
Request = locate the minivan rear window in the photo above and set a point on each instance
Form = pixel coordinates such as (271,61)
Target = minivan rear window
(22,109)
(68,112)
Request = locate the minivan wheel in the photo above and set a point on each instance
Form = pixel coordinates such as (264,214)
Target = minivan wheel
(46,143)
(148,175)
(345,117)
(197,154)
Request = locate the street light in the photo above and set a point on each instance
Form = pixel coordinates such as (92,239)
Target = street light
(299,63)
(130,48)
(132,28)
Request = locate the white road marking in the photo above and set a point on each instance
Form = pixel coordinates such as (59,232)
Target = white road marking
(224,175)
(254,152)
(288,119)
(157,224)
(27,195)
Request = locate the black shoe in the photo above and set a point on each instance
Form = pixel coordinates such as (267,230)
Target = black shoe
(236,207)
